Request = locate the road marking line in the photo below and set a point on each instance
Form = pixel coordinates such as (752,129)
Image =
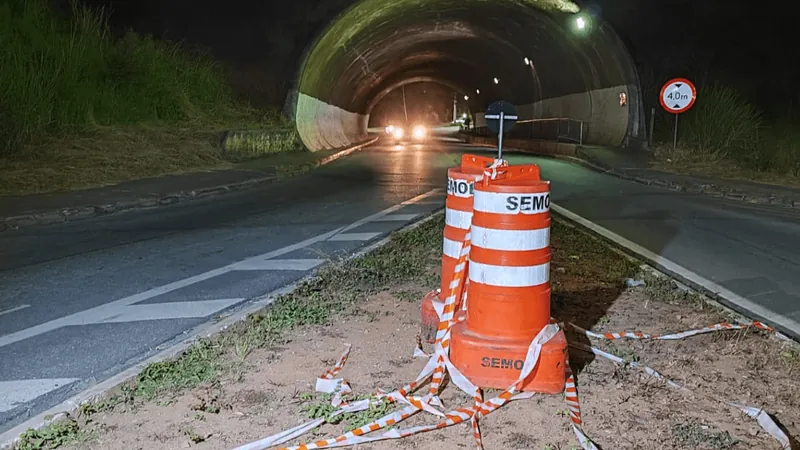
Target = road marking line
(397,218)
(727,296)
(354,236)
(18,392)
(281,264)
(14,309)
(430,202)
(99,313)
(171,310)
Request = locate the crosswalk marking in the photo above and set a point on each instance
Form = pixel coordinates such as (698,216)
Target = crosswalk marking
(171,310)
(397,218)
(18,392)
(354,237)
(279,264)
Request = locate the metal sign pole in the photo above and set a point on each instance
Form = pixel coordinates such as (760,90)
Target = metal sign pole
(675,135)
(500,139)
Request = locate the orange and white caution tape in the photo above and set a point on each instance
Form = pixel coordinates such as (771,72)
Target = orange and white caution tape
(574,408)
(764,420)
(675,336)
(491,171)
(296,432)
(623,362)
(328,384)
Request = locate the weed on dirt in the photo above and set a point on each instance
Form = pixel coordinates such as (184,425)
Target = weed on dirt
(257,378)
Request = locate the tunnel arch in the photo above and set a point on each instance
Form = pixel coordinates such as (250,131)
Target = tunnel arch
(375,46)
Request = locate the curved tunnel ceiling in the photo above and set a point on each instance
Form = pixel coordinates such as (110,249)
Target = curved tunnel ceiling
(377,45)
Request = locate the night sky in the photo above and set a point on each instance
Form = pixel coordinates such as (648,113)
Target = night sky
(746,44)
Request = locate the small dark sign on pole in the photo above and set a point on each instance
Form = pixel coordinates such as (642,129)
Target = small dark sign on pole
(501,116)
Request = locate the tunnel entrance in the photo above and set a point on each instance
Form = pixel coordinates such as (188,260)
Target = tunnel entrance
(545,56)
(427,102)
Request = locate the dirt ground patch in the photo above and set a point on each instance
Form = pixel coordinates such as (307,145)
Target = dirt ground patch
(260,383)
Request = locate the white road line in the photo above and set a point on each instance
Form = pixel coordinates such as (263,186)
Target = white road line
(397,218)
(684,274)
(354,236)
(429,202)
(99,313)
(280,264)
(171,310)
(18,392)
(14,309)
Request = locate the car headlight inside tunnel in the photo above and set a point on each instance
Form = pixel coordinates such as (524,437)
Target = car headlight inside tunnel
(398,133)
(419,132)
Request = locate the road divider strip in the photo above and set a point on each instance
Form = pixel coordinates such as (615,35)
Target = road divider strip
(439,364)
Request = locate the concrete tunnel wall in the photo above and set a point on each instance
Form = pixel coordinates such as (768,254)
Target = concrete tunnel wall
(375,45)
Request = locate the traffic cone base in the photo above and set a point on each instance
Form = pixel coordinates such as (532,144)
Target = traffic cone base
(492,363)
(429,319)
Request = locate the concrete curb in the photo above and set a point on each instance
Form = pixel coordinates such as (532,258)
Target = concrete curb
(87,212)
(710,189)
(97,392)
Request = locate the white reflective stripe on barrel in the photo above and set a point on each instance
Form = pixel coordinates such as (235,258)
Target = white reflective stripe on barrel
(451,248)
(509,276)
(502,203)
(457,219)
(510,240)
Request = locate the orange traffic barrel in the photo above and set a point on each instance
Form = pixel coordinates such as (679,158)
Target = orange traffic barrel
(509,286)
(458,217)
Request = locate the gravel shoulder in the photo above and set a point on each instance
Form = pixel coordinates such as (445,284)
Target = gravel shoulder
(257,378)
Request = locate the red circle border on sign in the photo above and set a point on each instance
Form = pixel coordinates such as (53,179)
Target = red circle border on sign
(687,107)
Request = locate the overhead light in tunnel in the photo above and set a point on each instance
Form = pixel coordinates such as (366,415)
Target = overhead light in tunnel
(478,91)
(527,62)
(496,81)
(580,22)
(466,97)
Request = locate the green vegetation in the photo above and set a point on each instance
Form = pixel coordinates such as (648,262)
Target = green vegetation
(56,434)
(725,135)
(695,435)
(82,107)
(318,406)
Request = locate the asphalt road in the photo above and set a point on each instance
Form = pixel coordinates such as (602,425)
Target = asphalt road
(81,302)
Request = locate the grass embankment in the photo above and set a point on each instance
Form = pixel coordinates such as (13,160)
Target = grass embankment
(257,378)
(82,107)
(725,136)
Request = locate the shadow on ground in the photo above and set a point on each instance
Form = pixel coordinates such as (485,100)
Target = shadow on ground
(588,275)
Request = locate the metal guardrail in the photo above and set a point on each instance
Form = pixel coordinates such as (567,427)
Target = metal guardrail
(554,129)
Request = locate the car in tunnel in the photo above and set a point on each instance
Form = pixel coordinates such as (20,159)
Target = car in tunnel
(402,133)
(416,133)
